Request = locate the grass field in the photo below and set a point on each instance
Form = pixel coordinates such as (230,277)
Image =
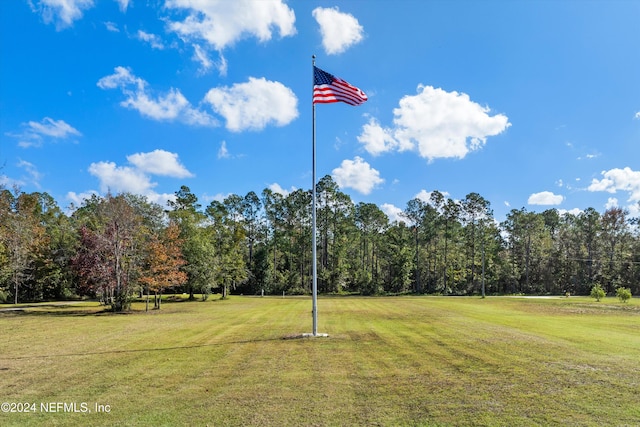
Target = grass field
(393,361)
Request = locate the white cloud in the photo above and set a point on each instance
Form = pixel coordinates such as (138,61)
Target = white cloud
(163,107)
(276,188)
(339,30)
(222,65)
(445,124)
(612,202)
(154,40)
(425,195)
(161,198)
(195,117)
(223,153)
(53,128)
(589,156)
(378,140)
(6,182)
(36,133)
(121,178)
(357,174)
(171,106)
(112,26)
(62,12)
(77,199)
(436,123)
(123,4)
(545,198)
(221,23)
(136,177)
(200,55)
(619,180)
(254,104)
(574,211)
(393,212)
(121,78)
(217,197)
(159,162)
(637,116)
(32,171)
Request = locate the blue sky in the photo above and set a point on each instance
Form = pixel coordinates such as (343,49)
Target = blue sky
(532,104)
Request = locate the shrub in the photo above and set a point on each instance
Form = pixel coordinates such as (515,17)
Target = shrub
(597,292)
(624,294)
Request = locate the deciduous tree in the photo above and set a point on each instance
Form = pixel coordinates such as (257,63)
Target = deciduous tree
(110,254)
(164,261)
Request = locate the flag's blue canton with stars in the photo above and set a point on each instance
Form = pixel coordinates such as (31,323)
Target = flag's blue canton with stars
(328,88)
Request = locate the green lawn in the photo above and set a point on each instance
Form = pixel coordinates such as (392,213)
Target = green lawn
(499,361)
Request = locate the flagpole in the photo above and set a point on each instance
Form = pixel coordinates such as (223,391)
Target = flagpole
(330,89)
(314,288)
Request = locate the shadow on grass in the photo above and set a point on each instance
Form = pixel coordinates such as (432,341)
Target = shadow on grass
(142,350)
(66,309)
(54,310)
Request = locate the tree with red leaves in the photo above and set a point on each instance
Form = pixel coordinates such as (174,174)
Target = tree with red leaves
(110,252)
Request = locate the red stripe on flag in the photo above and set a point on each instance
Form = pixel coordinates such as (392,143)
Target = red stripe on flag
(338,91)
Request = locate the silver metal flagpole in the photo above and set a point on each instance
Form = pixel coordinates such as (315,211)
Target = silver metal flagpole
(314,288)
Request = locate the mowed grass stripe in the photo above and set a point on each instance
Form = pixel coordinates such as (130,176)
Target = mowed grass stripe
(388,361)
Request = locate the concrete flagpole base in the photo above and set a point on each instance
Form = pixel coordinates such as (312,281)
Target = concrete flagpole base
(310,335)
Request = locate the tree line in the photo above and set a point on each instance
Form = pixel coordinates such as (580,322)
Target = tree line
(117,246)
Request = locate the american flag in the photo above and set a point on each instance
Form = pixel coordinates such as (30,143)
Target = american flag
(328,88)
